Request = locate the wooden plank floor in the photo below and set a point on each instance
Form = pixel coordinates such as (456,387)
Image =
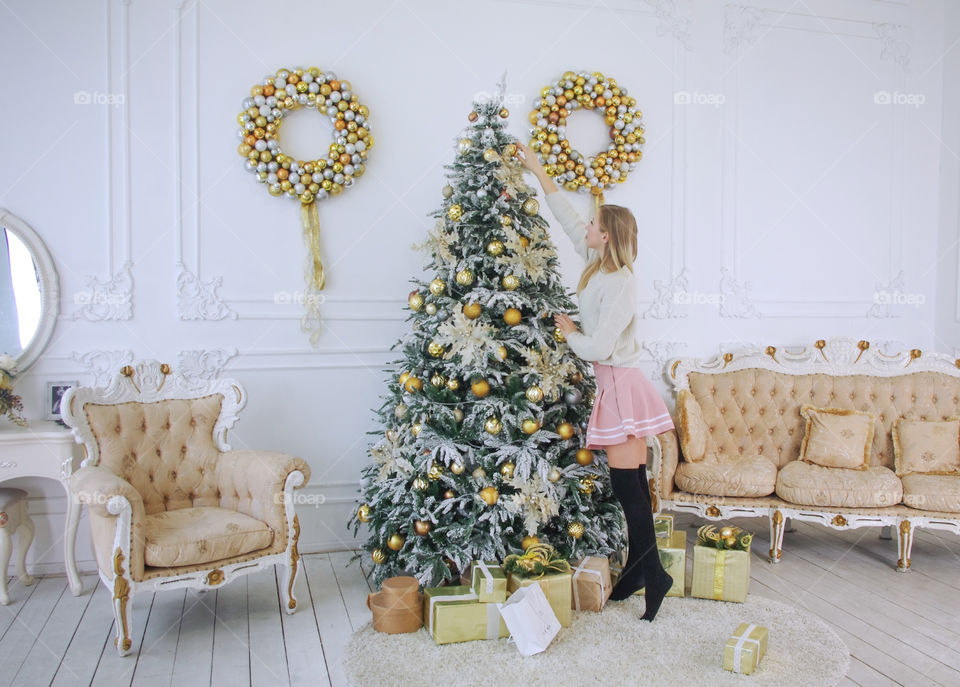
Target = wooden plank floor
(901,629)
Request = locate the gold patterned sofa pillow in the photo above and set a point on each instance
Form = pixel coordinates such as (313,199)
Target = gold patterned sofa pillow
(837,438)
(928,446)
(693,430)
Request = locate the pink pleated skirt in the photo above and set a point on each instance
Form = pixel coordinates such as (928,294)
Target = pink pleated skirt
(626,405)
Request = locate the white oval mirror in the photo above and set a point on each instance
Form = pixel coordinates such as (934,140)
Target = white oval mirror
(29,292)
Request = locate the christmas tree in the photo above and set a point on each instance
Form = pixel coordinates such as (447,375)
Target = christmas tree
(482,448)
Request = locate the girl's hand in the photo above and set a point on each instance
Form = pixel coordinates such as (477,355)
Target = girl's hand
(564,324)
(529,158)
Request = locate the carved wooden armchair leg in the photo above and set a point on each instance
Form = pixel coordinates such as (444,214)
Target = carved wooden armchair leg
(291,570)
(776,535)
(122,582)
(904,545)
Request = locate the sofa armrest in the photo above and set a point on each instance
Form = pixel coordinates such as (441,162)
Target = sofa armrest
(669,458)
(94,487)
(252,482)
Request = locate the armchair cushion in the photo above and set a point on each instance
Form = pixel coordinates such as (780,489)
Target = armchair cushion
(932,492)
(927,446)
(837,438)
(815,485)
(746,475)
(252,482)
(190,536)
(694,433)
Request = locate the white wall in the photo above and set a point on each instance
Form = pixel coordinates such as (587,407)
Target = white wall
(777,199)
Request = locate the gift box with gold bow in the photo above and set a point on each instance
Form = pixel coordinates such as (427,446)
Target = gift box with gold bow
(721,564)
(541,563)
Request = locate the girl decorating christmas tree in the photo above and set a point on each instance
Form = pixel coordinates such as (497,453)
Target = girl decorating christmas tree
(627,408)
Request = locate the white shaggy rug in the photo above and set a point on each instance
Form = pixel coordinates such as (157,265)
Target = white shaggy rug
(683,646)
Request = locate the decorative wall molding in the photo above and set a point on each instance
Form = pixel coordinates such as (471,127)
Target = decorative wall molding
(204,364)
(103,365)
(886,296)
(895,46)
(670,22)
(107,300)
(739,26)
(198,300)
(735,301)
(662,351)
(668,297)
(112,297)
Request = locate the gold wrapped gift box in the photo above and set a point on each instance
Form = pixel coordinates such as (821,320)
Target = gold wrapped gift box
(591,584)
(455,614)
(663,525)
(673,557)
(557,588)
(722,575)
(745,648)
(489,582)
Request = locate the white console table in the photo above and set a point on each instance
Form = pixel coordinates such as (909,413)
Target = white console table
(45,449)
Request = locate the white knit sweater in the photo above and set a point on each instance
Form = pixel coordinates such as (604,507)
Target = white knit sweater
(608,303)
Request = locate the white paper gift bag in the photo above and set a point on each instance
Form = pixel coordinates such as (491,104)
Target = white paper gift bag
(531,621)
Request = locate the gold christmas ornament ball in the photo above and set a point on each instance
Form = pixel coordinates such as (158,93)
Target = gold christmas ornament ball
(504,113)
(479,473)
(396,541)
(422,527)
(507,470)
(558,335)
(448,494)
(457,468)
(502,353)
(575,530)
(529,426)
(554,474)
(435,472)
(565,430)
(420,484)
(586,485)
(726,532)
(453,384)
(473,116)
(584,456)
(458,415)
(447,191)
(531,207)
(534,394)
(512,317)
(472,310)
(576,378)
(480,388)
(464,145)
(378,555)
(435,349)
(391,435)
(492,425)
(505,220)
(402,379)
(455,212)
(438,286)
(510,149)
(437,380)
(490,155)
(413,384)
(510,282)
(489,495)
(431,308)
(495,248)
(363,513)
(465,277)
(528,541)
(416,428)
(416,301)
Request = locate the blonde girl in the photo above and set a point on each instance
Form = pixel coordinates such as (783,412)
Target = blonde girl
(627,408)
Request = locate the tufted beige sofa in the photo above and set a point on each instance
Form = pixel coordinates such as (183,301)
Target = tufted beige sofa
(738,419)
(170,504)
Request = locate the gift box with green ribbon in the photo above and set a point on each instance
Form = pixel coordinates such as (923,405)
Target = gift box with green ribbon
(721,564)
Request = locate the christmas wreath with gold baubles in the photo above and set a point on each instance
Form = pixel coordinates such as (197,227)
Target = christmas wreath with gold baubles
(590,91)
(307,180)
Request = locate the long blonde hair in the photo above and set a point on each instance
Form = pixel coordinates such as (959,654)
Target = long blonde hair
(620,226)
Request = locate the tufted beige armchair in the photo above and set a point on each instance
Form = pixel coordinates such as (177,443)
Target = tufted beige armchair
(171,505)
